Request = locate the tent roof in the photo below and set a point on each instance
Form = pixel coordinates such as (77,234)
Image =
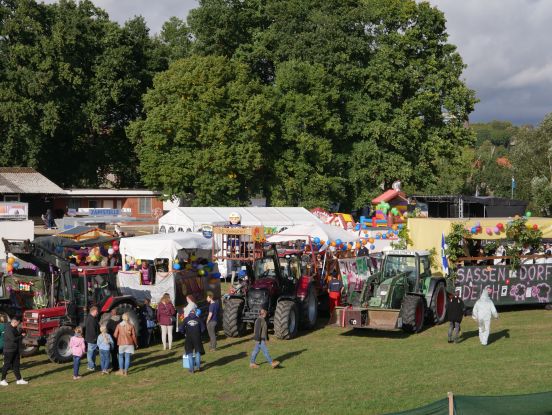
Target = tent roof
(321,230)
(163,245)
(251,216)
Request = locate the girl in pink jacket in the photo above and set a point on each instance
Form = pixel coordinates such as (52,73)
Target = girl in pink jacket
(78,347)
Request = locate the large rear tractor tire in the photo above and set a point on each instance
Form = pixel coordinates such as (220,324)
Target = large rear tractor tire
(412,313)
(232,322)
(439,304)
(286,319)
(309,309)
(57,345)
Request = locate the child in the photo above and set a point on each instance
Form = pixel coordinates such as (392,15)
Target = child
(78,347)
(105,344)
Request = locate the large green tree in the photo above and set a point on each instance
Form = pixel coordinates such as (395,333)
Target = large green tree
(532,166)
(70,81)
(207,120)
(374,83)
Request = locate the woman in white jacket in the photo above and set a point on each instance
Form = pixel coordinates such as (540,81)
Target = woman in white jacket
(482,312)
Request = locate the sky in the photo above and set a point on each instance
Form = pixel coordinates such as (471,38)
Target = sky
(505,44)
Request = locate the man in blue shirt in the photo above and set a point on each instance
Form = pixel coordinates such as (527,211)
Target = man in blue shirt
(212,320)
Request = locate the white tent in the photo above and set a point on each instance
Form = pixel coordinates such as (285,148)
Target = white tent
(316,230)
(167,246)
(184,219)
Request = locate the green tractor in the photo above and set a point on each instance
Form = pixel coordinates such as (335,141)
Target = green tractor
(402,295)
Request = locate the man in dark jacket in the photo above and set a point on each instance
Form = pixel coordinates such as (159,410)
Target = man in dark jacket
(260,335)
(91,333)
(193,327)
(12,350)
(455,313)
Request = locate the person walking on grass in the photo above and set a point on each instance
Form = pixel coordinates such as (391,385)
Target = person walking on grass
(12,352)
(192,327)
(212,320)
(77,346)
(105,344)
(91,332)
(125,333)
(455,313)
(260,335)
(482,312)
(165,318)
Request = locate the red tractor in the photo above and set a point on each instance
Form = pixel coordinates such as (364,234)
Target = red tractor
(72,291)
(284,283)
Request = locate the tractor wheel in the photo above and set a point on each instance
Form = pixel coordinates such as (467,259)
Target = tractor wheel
(412,313)
(309,309)
(57,345)
(439,304)
(286,318)
(29,350)
(232,318)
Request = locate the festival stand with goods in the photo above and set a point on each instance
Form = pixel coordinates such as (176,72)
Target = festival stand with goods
(70,290)
(402,295)
(506,255)
(177,263)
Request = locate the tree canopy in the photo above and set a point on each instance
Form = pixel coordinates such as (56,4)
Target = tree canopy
(70,82)
(359,92)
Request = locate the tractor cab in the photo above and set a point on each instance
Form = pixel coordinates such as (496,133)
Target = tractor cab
(93,286)
(411,265)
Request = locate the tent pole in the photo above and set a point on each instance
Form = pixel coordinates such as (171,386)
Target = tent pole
(451,403)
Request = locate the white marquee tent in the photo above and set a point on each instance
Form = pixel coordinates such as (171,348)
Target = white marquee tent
(316,230)
(192,219)
(167,246)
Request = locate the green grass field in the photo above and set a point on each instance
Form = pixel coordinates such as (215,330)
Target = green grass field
(326,371)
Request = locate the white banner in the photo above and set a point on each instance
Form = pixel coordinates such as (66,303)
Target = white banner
(129,284)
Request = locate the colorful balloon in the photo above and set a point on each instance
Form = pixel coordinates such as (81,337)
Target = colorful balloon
(176,266)
(528,214)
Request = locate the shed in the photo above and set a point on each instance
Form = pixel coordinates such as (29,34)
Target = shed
(83,233)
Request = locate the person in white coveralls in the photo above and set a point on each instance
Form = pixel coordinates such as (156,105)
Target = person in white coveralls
(482,312)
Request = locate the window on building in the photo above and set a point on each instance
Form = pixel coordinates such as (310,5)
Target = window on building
(11,198)
(93,204)
(144,206)
(73,204)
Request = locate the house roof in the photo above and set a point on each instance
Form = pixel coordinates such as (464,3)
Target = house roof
(388,195)
(26,180)
(95,193)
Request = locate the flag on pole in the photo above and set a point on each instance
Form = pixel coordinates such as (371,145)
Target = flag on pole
(513,183)
(444,259)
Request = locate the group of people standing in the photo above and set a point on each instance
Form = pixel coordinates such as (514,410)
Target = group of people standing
(115,342)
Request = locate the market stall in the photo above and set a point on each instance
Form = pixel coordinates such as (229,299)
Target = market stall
(176,263)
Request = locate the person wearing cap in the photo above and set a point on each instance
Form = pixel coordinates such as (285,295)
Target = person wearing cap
(335,290)
(12,352)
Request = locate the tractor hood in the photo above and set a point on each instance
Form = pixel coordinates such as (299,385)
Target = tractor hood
(269,284)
